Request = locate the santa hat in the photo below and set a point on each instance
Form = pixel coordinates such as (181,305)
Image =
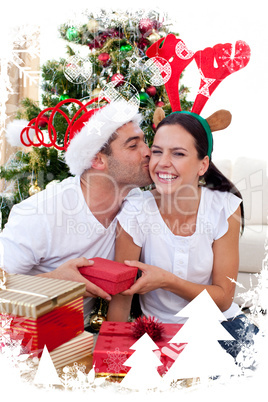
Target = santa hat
(84,137)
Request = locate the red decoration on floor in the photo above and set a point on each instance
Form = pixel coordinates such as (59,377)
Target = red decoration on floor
(150,325)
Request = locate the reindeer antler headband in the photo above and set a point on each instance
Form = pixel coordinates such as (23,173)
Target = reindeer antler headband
(173,52)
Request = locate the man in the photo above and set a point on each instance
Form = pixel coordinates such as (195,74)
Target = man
(58,230)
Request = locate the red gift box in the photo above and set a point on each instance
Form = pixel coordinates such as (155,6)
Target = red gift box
(52,329)
(111,276)
(39,311)
(113,344)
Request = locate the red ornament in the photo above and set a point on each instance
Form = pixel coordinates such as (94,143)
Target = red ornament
(145,25)
(151,91)
(104,58)
(43,121)
(95,44)
(143,43)
(119,78)
(157,25)
(159,104)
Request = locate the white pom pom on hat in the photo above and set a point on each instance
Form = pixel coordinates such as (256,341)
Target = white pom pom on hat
(93,130)
(14,130)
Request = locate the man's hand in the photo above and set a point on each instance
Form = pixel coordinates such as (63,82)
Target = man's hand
(69,272)
(152,278)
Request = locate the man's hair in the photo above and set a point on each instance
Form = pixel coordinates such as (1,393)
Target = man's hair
(106,149)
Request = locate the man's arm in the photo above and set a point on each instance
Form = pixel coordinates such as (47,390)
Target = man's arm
(69,271)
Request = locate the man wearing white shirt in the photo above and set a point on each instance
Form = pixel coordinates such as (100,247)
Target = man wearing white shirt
(58,230)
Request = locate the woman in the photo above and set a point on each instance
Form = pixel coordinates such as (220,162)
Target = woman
(185,236)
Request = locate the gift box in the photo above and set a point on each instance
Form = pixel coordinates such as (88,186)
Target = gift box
(111,276)
(41,311)
(70,352)
(112,348)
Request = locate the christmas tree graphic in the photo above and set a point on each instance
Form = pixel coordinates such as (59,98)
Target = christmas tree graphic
(46,373)
(203,356)
(143,362)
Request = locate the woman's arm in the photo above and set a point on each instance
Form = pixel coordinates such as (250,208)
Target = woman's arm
(125,248)
(225,268)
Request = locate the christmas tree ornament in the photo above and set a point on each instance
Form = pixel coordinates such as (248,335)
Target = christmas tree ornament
(93,45)
(72,33)
(97,319)
(143,96)
(77,69)
(125,48)
(160,103)
(125,93)
(95,93)
(93,25)
(43,121)
(151,91)
(104,58)
(145,26)
(102,81)
(118,78)
(134,61)
(143,43)
(64,96)
(34,189)
(154,37)
(157,71)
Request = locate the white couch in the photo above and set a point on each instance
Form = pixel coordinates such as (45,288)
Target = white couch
(250,177)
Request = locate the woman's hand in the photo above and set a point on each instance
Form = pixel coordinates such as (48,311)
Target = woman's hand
(152,278)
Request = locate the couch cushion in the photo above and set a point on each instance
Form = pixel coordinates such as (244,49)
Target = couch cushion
(250,177)
(225,166)
(252,248)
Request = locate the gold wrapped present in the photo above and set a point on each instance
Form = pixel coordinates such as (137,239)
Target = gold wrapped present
(41,311)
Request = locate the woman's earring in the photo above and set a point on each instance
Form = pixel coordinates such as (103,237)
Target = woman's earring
(202,181)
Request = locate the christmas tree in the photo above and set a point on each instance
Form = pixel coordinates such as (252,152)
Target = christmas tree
(109,49)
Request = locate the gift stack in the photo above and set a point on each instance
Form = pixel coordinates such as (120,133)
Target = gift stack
(115,339)
(44,311)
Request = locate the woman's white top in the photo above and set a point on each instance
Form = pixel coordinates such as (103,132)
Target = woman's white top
(188,257)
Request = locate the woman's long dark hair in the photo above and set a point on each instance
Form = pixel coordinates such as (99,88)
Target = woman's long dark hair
(214,179)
